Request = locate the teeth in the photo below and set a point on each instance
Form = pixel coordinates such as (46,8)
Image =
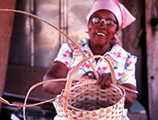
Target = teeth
(102,34)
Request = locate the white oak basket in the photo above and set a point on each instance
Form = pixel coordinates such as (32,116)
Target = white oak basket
(88,91)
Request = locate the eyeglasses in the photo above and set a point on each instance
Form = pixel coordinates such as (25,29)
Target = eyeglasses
(98,21)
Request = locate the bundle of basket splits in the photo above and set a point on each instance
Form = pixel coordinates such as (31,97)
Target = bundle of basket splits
(85,100)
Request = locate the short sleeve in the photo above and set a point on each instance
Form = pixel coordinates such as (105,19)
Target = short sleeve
(128,75)
(64,55)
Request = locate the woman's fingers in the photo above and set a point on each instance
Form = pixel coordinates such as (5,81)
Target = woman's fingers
(118,82)
(89,75)
(104,80)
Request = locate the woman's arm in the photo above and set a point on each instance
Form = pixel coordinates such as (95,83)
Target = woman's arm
(130,97)
(57,70)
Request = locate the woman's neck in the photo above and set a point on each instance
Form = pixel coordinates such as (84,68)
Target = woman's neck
(100,50)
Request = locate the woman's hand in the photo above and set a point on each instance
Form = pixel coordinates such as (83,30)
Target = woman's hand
(89,75)
(104,80)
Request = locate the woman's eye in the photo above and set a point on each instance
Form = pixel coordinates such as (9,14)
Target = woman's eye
(96,20)
(109,22)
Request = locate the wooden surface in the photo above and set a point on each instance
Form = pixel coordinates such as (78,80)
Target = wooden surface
(6,22)
(151,9)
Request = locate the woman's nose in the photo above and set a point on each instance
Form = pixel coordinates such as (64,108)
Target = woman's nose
(102,24)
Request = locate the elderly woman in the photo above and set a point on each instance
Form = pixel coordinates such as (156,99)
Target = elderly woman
(103,20)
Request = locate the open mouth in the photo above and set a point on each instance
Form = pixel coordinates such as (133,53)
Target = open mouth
(100,34)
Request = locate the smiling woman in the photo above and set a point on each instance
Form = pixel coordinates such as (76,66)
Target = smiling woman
(101,33)
(103,20)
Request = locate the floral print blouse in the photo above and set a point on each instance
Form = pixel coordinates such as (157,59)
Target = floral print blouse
(122,61)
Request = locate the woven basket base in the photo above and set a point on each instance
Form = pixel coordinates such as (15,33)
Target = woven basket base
(113,97)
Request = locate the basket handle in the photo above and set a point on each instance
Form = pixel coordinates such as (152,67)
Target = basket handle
(70,79)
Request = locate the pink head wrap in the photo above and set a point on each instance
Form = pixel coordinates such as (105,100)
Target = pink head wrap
(123,16)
